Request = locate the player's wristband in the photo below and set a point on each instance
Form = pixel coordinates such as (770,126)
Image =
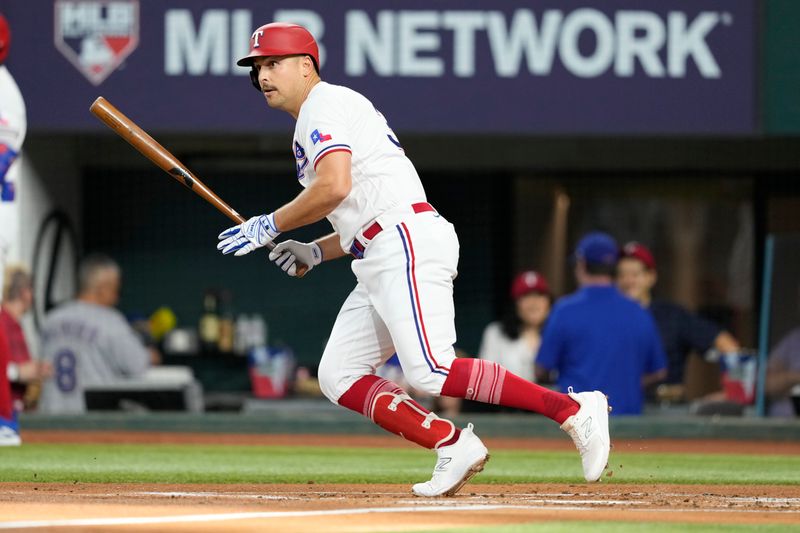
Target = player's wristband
(316,253)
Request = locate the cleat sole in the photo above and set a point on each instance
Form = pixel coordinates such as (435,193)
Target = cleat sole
(474,469)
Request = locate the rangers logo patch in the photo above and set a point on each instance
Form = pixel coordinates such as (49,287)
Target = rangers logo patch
(301,160)
(96,35)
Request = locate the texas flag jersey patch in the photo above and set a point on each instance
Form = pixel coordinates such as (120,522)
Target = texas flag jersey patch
(317,136)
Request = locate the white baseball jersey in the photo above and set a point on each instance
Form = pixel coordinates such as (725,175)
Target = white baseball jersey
(334,118)
(13,126)
(89,346)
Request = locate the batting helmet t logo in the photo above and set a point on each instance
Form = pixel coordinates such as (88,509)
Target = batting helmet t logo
(256,37)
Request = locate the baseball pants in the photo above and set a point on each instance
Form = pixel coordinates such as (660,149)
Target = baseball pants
(403,303)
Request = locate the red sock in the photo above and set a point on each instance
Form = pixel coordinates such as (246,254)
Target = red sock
(488,382)
(386,404)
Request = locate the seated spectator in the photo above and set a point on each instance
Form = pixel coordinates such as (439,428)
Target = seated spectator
(22,370)
(514,341)
(88,341)
(681,331)
(597,338)
(783,375)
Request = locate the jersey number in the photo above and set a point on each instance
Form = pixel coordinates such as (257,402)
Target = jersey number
(66,371)
(391,135)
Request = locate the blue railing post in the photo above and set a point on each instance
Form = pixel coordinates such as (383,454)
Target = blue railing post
(763,327)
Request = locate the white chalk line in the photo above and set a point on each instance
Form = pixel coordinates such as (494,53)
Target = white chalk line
(125,521)
(224,517)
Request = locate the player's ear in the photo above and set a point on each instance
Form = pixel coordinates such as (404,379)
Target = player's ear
(308,65)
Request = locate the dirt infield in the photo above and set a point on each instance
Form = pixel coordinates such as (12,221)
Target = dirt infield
(314,508)
(336,508)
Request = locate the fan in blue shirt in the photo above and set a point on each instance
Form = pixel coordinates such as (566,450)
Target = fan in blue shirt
(598,339)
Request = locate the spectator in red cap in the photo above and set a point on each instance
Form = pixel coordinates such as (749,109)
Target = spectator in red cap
(681,331)
(514,341)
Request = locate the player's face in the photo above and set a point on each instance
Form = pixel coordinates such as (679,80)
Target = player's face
(281,80)
(533,309)
(27,298)
(634,279)
(108,288)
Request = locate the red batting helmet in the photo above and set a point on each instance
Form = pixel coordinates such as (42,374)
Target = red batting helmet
(281,39)
(5,38)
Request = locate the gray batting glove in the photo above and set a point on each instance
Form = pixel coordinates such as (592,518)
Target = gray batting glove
(247,236)
(287,254)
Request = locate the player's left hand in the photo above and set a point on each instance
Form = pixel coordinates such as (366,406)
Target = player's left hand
(288,253)
(255,233)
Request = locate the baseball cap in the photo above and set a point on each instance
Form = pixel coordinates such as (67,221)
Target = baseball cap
(527,282)
(597,248)
(637,250)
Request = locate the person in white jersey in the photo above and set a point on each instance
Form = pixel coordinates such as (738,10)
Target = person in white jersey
(356,175)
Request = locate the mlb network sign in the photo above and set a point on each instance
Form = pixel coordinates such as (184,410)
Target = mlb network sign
(586,42)
(544,67)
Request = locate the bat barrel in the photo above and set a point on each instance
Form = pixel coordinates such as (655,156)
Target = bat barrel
(152,150)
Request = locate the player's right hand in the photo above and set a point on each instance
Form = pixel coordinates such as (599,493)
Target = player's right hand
(287,254)
(247,236)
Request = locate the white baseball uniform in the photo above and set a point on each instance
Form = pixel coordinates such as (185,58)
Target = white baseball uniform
(403,301)
(13,126)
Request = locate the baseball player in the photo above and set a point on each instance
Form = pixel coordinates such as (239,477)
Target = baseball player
(88,342)
(12,133)
(356,175)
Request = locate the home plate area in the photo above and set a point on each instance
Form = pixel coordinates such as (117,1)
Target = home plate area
(314,508)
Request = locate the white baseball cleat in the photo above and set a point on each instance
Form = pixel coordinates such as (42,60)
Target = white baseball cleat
(589,431)
(456,465)
(9,436)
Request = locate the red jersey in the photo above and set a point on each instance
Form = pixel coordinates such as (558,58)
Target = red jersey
(17,348)
(6,405)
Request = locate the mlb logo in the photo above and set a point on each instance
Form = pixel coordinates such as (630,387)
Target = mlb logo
(96,35)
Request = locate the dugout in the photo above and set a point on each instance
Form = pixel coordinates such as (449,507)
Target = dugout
(699,161)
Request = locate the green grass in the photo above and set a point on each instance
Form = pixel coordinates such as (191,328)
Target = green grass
(619,527)
(276,464)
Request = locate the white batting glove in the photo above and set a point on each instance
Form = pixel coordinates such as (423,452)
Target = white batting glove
(247,236)
(288,253)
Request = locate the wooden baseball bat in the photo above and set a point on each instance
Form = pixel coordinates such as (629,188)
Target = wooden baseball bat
(163,158)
